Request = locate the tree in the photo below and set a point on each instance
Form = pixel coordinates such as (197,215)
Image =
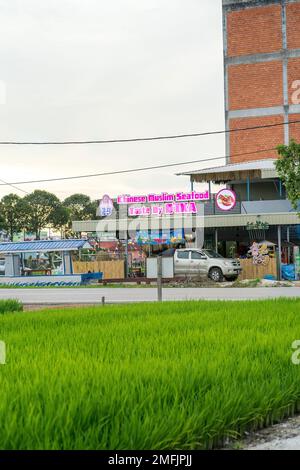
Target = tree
(12,213)
(288,169)
(80,207)
(42,209)
(60,218)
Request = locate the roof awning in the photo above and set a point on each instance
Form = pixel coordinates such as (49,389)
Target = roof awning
(258,169)
(42,246)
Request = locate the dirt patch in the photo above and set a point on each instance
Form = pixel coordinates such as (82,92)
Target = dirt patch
(283,436)
(196,281)
(35,307)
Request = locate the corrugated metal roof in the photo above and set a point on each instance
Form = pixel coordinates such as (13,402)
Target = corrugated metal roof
(267,164)
(43,246)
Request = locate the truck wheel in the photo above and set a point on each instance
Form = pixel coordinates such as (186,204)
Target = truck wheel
(216,275)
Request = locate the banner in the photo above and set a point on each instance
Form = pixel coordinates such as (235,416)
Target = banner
(157,237)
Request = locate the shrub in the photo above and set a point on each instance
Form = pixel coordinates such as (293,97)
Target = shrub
(10,305)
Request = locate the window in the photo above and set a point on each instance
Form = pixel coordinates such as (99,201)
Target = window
(183,255)
(197,255)
(212,254)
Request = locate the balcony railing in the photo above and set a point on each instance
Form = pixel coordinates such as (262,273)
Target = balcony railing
(250,207)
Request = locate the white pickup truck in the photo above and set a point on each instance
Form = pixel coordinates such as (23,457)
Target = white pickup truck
(193,261)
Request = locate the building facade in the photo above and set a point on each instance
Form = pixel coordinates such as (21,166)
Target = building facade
(261,76)
(262,92)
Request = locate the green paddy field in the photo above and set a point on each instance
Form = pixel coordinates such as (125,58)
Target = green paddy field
(185,375)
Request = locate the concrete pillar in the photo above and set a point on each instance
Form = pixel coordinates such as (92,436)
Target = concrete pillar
(280,189)
(192,184)
(126,257)
(67,262)
(209,189)
(288,238)
(285,72)
(216,240)
(248,189)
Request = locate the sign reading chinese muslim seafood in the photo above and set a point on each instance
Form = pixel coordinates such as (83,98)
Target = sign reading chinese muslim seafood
(164,203)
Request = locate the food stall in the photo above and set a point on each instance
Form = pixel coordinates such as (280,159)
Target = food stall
(43,263)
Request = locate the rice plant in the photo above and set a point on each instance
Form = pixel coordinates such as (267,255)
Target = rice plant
(10,305)
(184,375)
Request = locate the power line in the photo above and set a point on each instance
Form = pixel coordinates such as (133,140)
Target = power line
(12,185)
(134,170)
(147,139)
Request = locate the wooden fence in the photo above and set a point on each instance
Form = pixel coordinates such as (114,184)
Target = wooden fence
(116,269)
(252,271)
(110,269)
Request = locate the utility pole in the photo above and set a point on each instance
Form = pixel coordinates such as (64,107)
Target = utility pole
(126,256)
(159,278)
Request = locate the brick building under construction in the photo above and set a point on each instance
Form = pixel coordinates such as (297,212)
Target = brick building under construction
(261,41)
(262,74)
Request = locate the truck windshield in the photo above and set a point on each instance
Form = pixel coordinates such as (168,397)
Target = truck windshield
(212,254)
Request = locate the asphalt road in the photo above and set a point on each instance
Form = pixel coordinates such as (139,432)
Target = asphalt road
(127,295)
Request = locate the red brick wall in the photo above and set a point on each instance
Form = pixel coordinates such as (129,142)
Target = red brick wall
(253,140)
(258,30)
(295,128)
(293,76)
(255,85)
(293,25)
(254,31)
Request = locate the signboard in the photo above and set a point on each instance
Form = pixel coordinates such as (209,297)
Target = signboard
(159,237)
(260,254)
(163,204)
(226,200)
(167,268)
(106,206)
(29,236)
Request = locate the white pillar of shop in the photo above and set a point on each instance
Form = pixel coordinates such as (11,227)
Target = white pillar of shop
(216,240)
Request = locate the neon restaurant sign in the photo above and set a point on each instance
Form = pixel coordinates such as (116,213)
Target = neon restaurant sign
(164,203)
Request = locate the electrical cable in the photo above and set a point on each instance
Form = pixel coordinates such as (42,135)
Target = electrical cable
(147,139)
(134,170)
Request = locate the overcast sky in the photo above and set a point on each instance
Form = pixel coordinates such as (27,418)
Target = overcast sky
(95,69)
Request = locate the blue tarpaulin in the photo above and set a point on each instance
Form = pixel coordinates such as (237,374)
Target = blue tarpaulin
(288,272)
